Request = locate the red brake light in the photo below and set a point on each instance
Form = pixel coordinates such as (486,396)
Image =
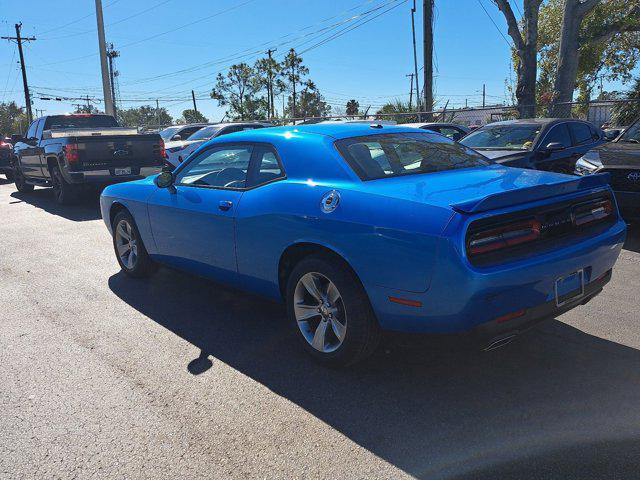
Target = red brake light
(71,153)
(502,237)
(161,150)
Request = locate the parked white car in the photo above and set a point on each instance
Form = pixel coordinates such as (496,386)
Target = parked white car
(178,151)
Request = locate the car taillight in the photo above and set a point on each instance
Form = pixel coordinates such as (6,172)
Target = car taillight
(160,150)
(503,237)
(592,212)
(71,153)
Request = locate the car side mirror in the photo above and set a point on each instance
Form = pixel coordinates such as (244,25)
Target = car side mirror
(16,137)
(554,147)
(175,138)
(165,180)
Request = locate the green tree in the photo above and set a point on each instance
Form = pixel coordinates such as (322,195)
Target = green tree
(625,113)
(236,90)
(311,103)
(353,107)
(396,107)
(85,109)
(192,116)
(144,116)
(267,78)
(293,72)
(525,41)
(581,42)
(13,119)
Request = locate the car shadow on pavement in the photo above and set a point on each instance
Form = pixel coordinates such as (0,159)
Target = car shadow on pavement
(87,206)
(557,403)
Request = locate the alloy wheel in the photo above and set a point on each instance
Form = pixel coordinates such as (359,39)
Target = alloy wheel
(320,313)
(126,244)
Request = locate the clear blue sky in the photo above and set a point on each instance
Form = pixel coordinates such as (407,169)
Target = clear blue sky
(169,47)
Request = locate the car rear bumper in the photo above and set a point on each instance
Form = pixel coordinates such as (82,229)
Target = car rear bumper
(108,177)
(462,298)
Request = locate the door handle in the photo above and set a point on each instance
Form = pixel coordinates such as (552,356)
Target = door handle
(225,205)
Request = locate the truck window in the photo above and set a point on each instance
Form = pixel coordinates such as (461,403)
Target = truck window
(39,129)
(80,121)
(31,133)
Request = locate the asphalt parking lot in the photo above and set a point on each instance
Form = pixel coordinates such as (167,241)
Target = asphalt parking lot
(105,376)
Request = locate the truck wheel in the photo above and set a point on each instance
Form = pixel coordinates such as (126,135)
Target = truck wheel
(130,251)
(10,176)
(331,312)
(63,192)
(21,183)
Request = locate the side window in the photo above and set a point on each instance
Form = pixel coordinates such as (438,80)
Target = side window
(581,133)
(266,169)
(451,132)
(221,167)
(558,134)
(39,129)
(187,132)
(595,134)
(31,133)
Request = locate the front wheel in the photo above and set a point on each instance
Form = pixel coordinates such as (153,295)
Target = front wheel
(129,248)
(21,183)
(331,311)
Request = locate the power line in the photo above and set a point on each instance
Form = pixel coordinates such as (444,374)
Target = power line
(495,24)
(76,20)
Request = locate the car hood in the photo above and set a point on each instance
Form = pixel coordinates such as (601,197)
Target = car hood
(482,188)
(619,154)
(504,155)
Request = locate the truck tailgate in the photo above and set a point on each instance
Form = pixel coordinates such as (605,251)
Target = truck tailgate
(114,151)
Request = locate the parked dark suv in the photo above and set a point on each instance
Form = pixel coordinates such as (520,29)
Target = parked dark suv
(621,159)
(552,144)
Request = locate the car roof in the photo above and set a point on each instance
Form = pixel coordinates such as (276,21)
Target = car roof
(335,130)
(533,121)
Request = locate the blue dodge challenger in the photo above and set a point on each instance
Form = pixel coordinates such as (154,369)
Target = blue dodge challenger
(362,228)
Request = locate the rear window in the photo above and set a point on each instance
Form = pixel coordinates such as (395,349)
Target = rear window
(388,155)
(80,121)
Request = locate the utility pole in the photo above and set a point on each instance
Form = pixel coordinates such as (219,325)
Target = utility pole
(411,91)
(158,112)
(484,95)
(193,97)
(111,54)
(106,86)
(427,24)
(18,39)
(270,98)
(415,55)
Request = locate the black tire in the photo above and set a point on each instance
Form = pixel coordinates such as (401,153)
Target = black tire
(9,175)
(142,265)
(18,178)
(362,329)
(64,193)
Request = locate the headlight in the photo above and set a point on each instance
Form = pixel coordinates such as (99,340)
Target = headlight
(588,163)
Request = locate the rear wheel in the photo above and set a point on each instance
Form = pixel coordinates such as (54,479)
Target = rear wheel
(21,183)
(331,311)
(63,192)
(129,248)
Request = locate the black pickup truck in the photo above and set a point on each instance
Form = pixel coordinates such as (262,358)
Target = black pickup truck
(69,151)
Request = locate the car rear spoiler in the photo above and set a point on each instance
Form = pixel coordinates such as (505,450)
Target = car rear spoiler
(531,194)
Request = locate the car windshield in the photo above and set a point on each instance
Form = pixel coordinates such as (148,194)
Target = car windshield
(389,155)
(503,137)
(632,134)
(204,133)
(80,121)
(168,132)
